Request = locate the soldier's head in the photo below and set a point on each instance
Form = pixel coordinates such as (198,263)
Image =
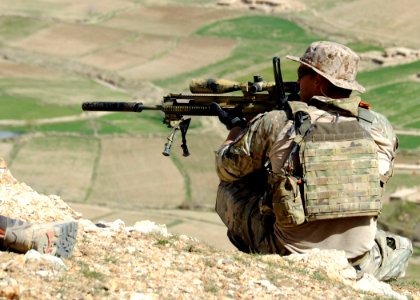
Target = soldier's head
(327,69)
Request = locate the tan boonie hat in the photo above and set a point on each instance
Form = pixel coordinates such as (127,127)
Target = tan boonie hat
(334,61)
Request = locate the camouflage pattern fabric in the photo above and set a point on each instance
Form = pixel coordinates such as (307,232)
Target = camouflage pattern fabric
(334,61)
(243,183)
(340,172)
(388,259)
(239,194)
(238,206)
(250,152)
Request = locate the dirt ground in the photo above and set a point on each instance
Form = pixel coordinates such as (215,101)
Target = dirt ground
(10,69)
(71,10)
(69,40)
(205,226)
(154,42)
(168,20)
(390,23)
(58,166)
(130,169)
(139,51)
(187,55)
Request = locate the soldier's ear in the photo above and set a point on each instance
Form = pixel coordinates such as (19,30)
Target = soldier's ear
(319,81)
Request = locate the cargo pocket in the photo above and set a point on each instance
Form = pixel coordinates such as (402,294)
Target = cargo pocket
(287,201)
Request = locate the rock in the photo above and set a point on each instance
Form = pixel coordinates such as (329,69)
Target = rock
(9,289)
(19,201)
(389,57)
(333,262)
(5,176)
(268,6)
(88,225)
(117,225)
(149,227)
(400,52)
(32,255)
(46,260)
(141,296)
(113,261)
(370,284)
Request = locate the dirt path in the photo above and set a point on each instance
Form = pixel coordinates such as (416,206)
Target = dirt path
(203,225)
(80,117)
(407,167)
(412,132)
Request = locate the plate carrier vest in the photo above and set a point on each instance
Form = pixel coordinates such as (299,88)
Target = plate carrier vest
(331,171)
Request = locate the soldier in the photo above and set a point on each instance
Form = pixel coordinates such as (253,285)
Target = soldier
(312,176)
(56,238)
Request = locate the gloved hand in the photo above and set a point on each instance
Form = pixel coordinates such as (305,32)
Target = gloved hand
(229,119)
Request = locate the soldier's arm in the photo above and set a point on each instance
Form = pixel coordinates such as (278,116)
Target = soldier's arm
(246,151)
(387,143)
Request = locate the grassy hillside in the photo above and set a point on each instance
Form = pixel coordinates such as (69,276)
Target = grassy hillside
(384,23)
(39,92)
(56,55)
(258,39)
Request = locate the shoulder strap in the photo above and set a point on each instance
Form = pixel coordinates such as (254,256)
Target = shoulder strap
(365,118)
(301,117)
(302,125)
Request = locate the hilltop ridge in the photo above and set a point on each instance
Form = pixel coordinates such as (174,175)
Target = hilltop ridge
(145,261)
(56,54)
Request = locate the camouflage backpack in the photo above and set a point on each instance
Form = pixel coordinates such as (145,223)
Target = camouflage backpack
(331,172)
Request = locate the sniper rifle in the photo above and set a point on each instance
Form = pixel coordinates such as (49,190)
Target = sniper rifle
(257,97)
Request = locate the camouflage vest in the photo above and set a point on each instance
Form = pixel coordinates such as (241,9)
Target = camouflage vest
(331,172)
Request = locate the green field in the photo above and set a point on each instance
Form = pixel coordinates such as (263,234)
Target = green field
(25,108)
(30,99)
(409,142)
(115,160)
(258,39)
(14,28)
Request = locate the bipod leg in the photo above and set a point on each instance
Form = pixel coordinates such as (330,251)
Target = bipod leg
(183,126)
(168,145)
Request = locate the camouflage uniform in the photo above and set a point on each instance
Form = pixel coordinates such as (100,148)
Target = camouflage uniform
(240,167)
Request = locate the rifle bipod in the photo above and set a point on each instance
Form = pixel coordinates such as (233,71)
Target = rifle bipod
(182,125)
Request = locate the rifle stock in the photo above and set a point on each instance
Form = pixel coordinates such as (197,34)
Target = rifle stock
(257,97)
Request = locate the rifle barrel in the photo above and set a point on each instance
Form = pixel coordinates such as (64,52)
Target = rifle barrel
(118,106)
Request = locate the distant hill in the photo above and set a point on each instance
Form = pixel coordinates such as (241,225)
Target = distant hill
(54,55)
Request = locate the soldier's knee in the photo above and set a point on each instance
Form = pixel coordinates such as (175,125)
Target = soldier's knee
(238,242)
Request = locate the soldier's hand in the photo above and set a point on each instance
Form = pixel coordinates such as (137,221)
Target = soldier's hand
(229,119)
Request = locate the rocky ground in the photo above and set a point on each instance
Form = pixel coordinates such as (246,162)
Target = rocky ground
(145,261)
(267,6)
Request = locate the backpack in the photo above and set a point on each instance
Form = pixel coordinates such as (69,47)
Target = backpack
(331,171)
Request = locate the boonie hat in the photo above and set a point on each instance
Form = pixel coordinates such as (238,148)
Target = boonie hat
(334,61)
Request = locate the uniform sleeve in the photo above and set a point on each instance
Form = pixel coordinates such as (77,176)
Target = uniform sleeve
(250,151)
(386,141)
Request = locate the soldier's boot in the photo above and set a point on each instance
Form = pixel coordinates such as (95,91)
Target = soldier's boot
(388,259)
(395,252)
(56,238)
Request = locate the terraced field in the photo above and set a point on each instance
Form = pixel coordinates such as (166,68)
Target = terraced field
(54,55)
